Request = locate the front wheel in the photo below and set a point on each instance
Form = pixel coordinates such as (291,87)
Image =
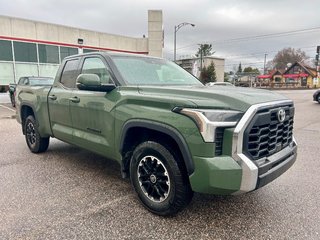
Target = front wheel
(159,179)
(318,98)
(35,142)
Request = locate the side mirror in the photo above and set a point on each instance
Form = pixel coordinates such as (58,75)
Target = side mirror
(92,82)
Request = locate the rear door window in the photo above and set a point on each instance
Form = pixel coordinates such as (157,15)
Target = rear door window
(70,73)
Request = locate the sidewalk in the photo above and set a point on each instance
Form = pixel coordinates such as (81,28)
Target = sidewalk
(6,111)
(4,98)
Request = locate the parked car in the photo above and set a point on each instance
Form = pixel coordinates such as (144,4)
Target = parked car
(316,96)
(219,84)
(28,81)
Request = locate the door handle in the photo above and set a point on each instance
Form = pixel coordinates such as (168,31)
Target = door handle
(74,99)
(53,97)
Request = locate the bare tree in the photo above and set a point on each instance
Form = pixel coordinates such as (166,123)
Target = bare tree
(205,49)
(288,55)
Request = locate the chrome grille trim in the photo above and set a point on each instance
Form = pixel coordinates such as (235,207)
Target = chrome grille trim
(249,169)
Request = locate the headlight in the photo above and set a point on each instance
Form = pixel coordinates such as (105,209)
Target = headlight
(209,120)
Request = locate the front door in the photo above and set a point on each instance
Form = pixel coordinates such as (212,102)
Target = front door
(91,111)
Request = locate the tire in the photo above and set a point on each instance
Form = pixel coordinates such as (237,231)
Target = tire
(158,177)
(318,98)
(35,142)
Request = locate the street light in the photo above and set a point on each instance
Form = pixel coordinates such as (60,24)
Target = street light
(176,28)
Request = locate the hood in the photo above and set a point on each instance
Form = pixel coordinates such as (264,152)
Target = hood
(221,97)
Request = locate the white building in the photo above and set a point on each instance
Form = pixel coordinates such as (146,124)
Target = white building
(193,65)
(30,48)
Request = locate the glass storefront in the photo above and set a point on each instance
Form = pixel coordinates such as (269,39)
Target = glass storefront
(18,58)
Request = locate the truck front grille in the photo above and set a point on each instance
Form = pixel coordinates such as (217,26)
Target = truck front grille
(266,135)
(219,141)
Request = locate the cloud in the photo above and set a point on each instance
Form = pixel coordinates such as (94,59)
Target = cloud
(216,21)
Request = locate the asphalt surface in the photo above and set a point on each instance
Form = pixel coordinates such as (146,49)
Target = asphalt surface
(70,193)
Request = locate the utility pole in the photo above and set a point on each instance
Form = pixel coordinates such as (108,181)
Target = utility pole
(200,59)
(264,65)
(317,67)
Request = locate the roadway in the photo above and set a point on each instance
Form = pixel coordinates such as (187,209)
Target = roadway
(70,193)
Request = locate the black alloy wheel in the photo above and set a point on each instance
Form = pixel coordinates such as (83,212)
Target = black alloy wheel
(31,134)
(35,142)
(153,178)
(159,178)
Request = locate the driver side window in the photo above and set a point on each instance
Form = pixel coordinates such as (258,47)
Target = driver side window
(94,65)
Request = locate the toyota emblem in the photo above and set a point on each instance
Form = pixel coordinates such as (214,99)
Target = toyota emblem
(281,115)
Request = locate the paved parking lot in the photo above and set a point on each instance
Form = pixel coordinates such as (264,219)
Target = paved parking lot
(70,193)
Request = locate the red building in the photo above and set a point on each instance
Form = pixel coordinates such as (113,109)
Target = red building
(296,76)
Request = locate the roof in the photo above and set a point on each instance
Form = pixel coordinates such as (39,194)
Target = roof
(307,68)
(275,72)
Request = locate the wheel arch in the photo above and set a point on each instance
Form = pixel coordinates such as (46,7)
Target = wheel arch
(135,131)
(317,97)
(25,111)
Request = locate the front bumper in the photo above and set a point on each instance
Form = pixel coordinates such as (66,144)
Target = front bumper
(275,165)
(224,175)
(217,175)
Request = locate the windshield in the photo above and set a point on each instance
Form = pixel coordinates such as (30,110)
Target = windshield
(152,71)
(40,81)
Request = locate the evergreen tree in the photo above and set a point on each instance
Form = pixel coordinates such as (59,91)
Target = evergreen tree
(208,74)
(239,68)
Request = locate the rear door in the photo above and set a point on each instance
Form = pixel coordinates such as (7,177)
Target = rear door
(59,101)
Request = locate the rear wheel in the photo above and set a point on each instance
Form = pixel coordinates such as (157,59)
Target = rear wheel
(35,142)
(159,179)
(318,98)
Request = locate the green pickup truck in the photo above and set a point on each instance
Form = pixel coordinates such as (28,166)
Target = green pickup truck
(171,135)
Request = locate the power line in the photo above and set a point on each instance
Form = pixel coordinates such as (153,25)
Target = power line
(260,53)
(278,34)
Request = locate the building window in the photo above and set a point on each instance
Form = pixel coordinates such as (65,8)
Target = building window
(67,51)
(5,50)
(69,74)
(48,53)
(86,50)
(25,52)
(277,79)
